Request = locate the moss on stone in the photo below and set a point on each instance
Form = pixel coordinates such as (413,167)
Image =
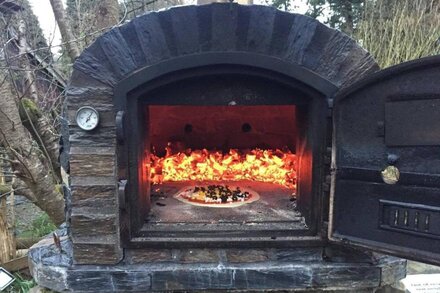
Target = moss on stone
(59,188)
(31,108)
(4,188)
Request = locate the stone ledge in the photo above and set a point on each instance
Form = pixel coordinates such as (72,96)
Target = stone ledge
(96,254)
(159,270)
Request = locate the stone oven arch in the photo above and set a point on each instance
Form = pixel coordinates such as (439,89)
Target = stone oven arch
(291,44)
(294,39)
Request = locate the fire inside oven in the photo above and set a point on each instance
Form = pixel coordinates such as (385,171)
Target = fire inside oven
(222,163)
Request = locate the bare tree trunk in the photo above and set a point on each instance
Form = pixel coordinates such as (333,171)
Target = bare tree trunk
(26,159)
(30,85)
(51,141)
(107,14)
(7,244)
(7,249)
(43,131)
(66,33)
(21,189)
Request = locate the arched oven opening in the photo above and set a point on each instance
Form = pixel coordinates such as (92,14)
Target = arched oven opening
(221,151)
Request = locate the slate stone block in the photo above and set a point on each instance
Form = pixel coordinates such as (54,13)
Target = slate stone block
(142,256)
(247,255)
(199,256)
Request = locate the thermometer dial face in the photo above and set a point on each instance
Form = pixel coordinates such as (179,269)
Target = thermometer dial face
(87,118)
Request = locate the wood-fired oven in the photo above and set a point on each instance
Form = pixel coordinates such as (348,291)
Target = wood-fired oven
(240,147)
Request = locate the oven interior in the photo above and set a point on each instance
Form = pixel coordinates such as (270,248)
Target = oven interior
(211,140)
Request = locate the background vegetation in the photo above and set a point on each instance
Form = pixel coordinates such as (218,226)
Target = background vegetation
(398,31)
(393,31)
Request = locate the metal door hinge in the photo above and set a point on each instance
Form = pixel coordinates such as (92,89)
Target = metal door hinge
(120,127)
(122,186)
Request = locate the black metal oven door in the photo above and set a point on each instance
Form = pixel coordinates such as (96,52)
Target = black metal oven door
(386,162)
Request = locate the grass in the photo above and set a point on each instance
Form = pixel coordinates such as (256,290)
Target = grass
(40,227)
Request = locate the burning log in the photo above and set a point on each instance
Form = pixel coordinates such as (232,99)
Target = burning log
(273,166)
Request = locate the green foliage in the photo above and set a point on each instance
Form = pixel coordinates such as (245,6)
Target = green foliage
(21,284)
(316,8)
(40,227)
(340,14)
(345,14)
(4,189)
(394,31)
(280,4)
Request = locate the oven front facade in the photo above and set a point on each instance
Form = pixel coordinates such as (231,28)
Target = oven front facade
(242,147)
(187,106)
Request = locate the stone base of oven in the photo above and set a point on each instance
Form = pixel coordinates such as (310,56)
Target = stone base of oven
(309,269)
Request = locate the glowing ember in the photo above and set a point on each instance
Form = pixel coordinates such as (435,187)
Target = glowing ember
(273,166)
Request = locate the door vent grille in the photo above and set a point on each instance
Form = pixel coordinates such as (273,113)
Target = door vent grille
(410,218)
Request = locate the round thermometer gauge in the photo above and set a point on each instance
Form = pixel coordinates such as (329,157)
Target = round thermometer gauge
(87,118)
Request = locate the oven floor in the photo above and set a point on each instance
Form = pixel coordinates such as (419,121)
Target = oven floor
(273,211)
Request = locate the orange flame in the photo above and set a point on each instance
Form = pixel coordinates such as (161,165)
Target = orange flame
(274,166)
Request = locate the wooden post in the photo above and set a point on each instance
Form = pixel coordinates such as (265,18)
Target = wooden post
(11,225)
(2,175)
(7,244)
